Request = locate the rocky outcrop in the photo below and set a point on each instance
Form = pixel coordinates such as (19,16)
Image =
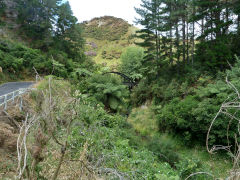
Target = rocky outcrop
(10,14)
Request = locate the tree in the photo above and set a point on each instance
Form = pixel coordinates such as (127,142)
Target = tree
(65,19)
(169,24)
(150,20)
(68,34)
(36,18)
(132,59)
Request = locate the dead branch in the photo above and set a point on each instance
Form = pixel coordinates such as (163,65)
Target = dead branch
(22,150)
(13,121)
(226,105)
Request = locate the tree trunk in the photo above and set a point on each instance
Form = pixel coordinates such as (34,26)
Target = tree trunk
(177,46)
(187,43)
(238,24)
(211,26)
(157,53)
(184,41)
(193,37)
(171,47)
(227,18)
(217,15)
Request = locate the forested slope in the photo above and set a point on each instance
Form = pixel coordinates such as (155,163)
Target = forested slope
(31,36)
(84,120)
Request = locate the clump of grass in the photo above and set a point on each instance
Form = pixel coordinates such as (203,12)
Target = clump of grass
(143,121)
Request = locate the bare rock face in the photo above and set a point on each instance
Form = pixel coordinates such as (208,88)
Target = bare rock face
(10,8)
(11,13)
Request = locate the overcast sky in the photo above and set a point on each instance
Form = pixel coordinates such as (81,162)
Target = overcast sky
(88,9)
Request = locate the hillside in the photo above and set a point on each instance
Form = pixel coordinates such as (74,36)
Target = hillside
(107,37)
(164,115)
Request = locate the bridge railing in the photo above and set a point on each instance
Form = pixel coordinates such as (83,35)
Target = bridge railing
(10,97)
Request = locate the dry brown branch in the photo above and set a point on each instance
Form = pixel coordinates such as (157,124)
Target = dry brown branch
(13,121)
(37,74)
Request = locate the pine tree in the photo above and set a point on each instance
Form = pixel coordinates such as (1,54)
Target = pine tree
(36,19)
(150,20)
(171,28)
(64,19)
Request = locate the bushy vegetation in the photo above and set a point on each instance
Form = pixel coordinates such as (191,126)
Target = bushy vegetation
(131,62)
(190,113)
(187,107)
(54,40)
(101,144)
(109,90)
(14,57)
(96,127)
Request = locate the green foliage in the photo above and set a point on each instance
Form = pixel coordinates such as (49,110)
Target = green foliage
(164,148)
(65,19)
(52,30)
(131,62)
(215,54)
(110,145)
(59,69)
(15,57)
(143,121)
(141,93)
(190,114)
(176,114)
(71,43)
(188,166)
(108,90)
(35,21)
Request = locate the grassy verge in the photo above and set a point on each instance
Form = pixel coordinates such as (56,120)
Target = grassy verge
(188,159)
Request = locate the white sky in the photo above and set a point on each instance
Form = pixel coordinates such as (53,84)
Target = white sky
(88,9)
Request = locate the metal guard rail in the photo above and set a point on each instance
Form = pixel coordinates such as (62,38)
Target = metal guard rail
(11,97)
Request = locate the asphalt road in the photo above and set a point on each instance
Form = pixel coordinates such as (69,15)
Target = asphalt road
(13,86)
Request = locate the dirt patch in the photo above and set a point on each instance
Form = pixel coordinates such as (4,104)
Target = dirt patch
(8,139)
(8,147)
(9,129)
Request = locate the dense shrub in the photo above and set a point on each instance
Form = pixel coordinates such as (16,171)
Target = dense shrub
(190,114)
(164,148)
(16,57)
(141,93)
(111,145)
(213,54)
(109,90)
(188,166)
(132,59)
